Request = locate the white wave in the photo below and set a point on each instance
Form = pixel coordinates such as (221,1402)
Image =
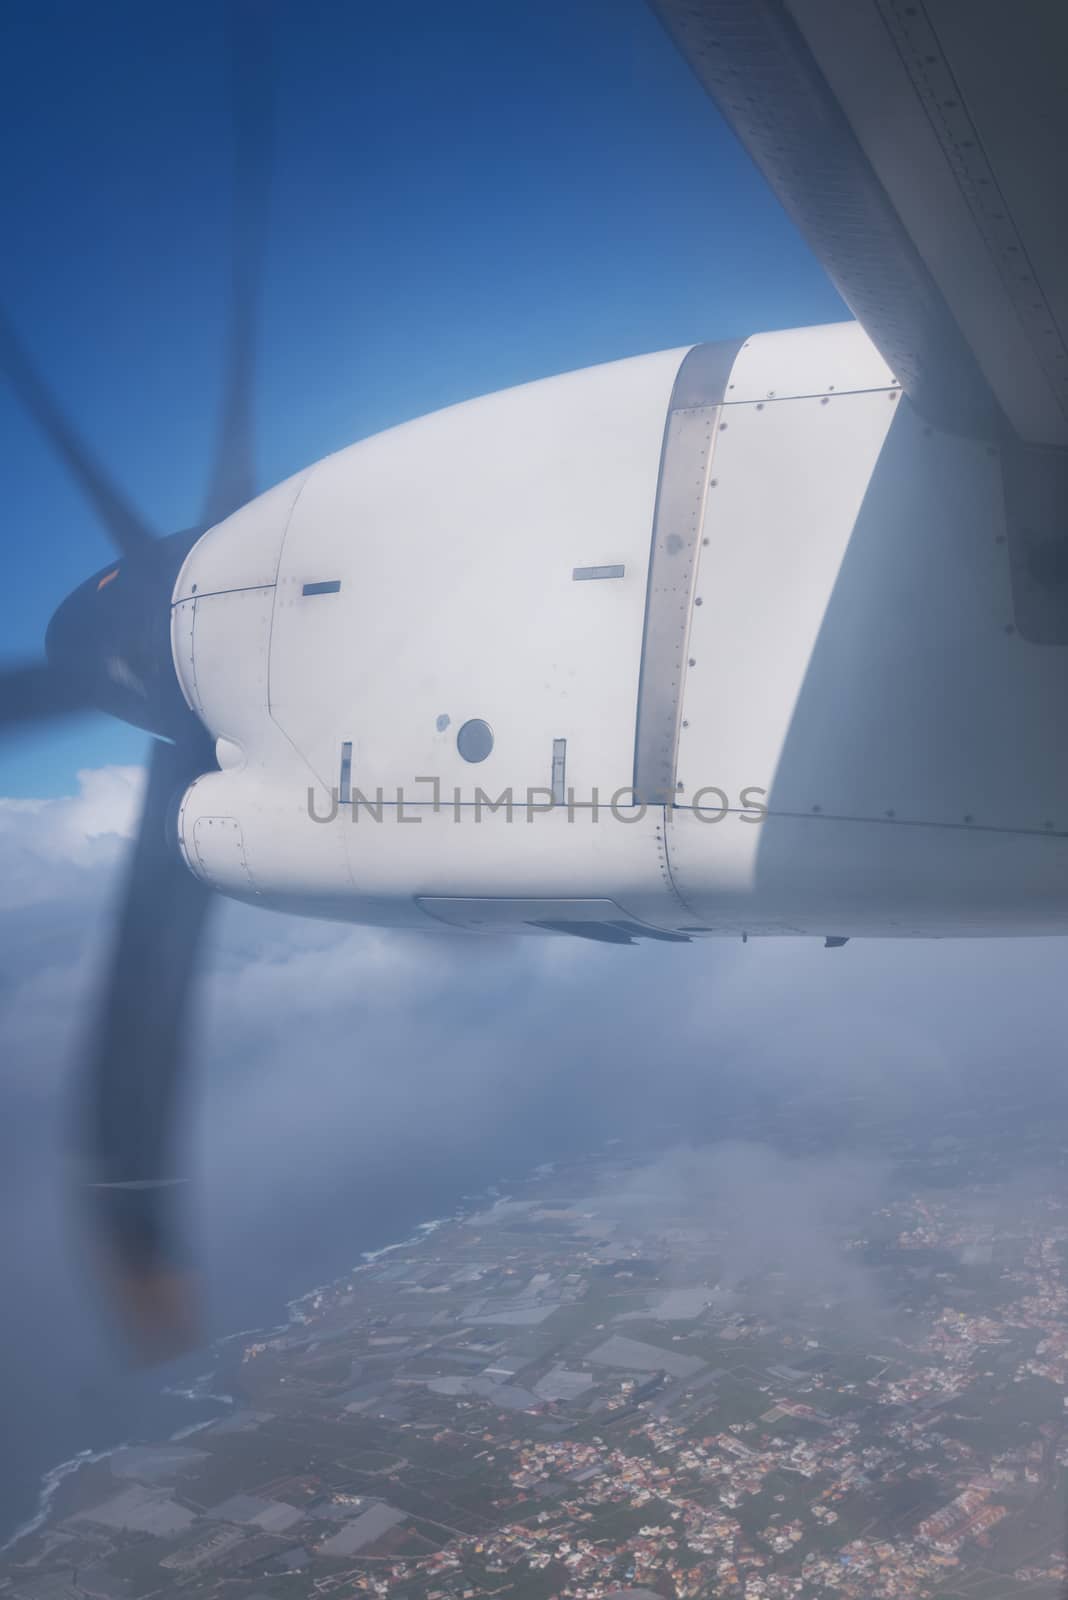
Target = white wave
(52,1479)
(49,1486)
(367,1259)
(194,1427)
(199,1390)
(247,1333)
(423,1231)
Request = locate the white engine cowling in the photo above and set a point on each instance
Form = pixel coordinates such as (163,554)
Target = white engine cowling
(729,629)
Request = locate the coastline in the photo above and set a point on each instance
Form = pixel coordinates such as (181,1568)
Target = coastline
(52,1480)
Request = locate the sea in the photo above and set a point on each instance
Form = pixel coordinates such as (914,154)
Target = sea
(45,1443)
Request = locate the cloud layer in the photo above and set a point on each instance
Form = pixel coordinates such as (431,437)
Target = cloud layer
(347,1079)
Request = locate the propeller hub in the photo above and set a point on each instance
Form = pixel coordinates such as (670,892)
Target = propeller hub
(111,638)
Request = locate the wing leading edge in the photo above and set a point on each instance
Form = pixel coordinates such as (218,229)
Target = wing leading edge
(918,148)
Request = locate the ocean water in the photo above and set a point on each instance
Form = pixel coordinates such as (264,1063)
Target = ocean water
(69,1416)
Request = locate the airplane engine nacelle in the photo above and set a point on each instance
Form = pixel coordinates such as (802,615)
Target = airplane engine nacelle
(709,641)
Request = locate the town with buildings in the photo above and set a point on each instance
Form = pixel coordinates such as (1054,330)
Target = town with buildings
(560,1395)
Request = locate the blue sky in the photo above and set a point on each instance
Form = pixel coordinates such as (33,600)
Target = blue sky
(465,198)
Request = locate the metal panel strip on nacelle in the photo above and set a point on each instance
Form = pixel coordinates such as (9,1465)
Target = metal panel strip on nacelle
(685,465)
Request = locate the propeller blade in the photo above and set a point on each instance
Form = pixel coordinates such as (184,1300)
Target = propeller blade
(232,482)
(35,692)
(135,1071)
(128,531)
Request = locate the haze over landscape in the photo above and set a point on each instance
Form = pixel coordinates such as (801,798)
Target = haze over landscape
(351,1084)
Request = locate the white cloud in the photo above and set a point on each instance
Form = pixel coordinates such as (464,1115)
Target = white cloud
(325,1053)
(41,839)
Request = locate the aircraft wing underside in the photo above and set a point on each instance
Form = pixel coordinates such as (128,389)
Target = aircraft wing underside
(919,147)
